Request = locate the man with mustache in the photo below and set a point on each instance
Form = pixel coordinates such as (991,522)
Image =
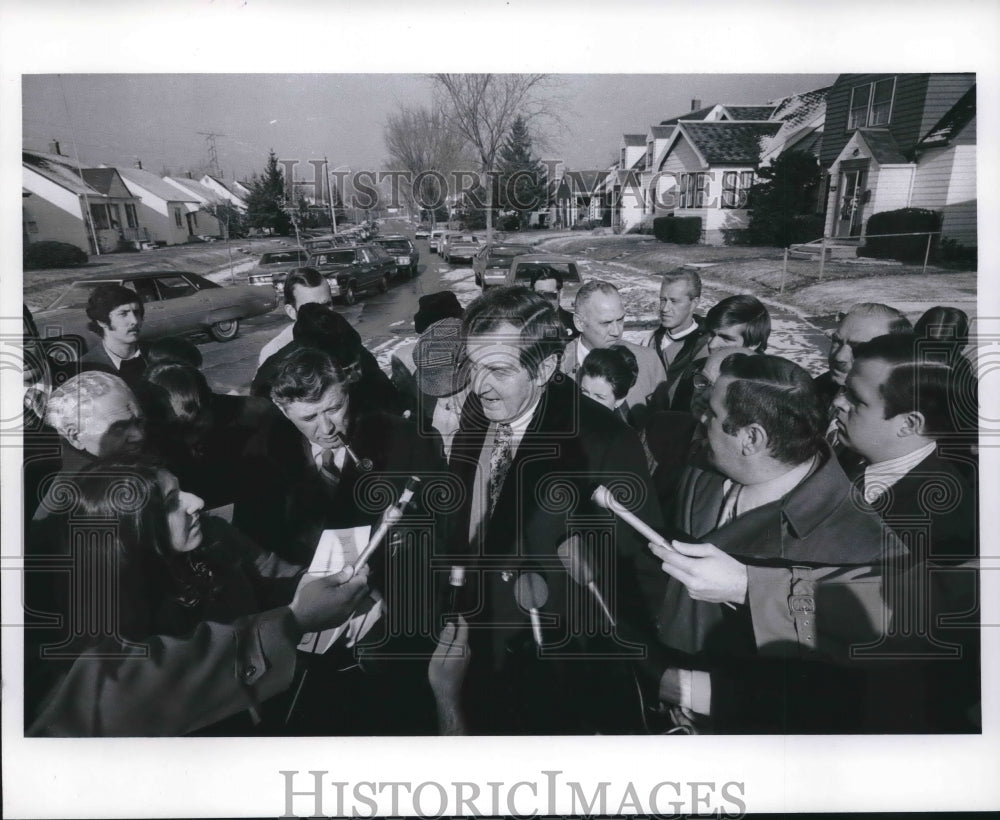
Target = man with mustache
(116,315)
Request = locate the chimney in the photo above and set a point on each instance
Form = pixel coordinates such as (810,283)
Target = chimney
(695,105)
(138,163)
(54,148)
(189,176)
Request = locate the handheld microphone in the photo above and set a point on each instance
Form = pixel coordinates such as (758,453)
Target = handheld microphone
(531,592)
(570,552)
(603,497)
(365,465)
(389,518)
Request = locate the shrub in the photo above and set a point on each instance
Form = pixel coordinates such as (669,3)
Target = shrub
(903,221)
(954,253)
(681,230)
(53,255)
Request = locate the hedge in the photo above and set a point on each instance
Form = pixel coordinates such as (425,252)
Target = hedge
(681,230)
(903,248)
(53,255)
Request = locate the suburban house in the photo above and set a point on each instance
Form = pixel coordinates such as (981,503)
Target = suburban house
(228,190)
(901,141)
(708,164)
(624,201)
(197,218)
(91,207)
(163,207)
(578,195)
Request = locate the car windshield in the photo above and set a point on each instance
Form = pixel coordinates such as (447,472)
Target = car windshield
(567,270)
(76,295)
(395,244)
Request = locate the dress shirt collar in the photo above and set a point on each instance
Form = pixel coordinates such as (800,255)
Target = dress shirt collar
(757,495)
(339,455)
(117,360)
(881,476)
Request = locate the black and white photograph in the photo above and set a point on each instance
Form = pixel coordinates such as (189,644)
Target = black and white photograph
(414,432)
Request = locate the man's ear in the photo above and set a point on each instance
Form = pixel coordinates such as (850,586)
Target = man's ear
(912,424)
(72,435)
(546,369)
(753,439)
(291,312)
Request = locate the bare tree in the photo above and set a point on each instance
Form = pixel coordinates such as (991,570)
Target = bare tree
(418,141)
(482,108)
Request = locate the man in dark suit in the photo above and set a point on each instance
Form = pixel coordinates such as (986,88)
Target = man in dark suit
(548,282)
(772,498)
(328,462)
(116,315)
(896,418)
(528,454)
(680,339)
(600,317)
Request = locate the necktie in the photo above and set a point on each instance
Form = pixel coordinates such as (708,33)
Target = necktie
(728,511)
(329,471)
(500,459)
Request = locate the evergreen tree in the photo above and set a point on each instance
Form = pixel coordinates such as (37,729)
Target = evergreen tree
(522,178)
(783,202)
(266,202)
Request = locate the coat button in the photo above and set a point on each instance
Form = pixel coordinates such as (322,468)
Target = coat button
(250,671)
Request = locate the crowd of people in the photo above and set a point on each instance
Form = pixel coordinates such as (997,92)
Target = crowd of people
(569,533)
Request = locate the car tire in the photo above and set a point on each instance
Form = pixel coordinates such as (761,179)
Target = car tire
(413,271)
(383,283)
(225,331)
(350,295)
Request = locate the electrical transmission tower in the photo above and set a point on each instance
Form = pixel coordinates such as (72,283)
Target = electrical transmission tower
(213,154)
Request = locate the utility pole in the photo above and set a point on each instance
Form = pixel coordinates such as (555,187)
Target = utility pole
(329,187)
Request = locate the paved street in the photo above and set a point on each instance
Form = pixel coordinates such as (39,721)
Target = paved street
(385,321)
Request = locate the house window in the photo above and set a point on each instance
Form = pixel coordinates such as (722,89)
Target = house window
(130,216)
(99,216)
(693,188)
(736,188)
(871,104)
(178,220)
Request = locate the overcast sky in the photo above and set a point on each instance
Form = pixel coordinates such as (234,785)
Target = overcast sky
(118,118)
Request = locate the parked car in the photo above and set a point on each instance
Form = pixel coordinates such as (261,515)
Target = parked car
(176,302)
(449,238)
(461,249)
(402,250)
(523,267)
(492,263)
(354,269)
(422,231)
(277,261)
(435,239)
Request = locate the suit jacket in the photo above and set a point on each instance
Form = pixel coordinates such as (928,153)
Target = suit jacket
(821,523)
(571,445)
(650,376)
(283,503)
(97,359)
(933,509)
(671,396)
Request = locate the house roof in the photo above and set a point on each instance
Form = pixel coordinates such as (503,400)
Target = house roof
(700,114)
(634,140)
(201,193)
(729,143)
(100,179)
(749,112)
(883,146)
(800,115)
(660,131)
(957,117)
(57,168)
(153,184)
(237,189)
(639,164)
(585,181)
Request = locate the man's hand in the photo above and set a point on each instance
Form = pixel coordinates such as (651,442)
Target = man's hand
(708,573)
(446,674)
(323,603)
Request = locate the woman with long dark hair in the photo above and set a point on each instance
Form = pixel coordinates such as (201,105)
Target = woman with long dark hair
(175,620)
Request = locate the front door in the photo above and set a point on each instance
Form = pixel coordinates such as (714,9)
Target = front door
(852,191)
